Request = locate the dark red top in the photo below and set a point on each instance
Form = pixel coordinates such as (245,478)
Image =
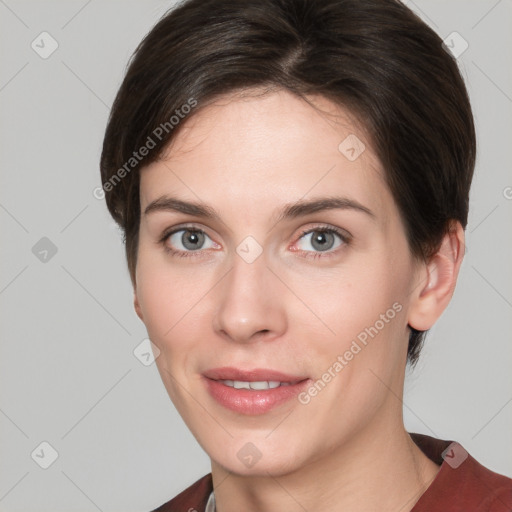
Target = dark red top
(461,485)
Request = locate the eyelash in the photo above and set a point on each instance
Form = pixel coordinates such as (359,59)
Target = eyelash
(345,238)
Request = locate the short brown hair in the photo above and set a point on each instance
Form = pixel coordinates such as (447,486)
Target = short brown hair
(374,57)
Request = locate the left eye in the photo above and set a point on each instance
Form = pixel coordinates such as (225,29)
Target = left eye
(321,240)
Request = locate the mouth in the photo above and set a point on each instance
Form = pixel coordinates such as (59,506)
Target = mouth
(252,392)
(256,385)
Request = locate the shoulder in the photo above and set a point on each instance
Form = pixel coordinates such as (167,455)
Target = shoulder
(462,483)
(192,499)
(492,491)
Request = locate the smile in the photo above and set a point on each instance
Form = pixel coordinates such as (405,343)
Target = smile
(252,392)
(256,385)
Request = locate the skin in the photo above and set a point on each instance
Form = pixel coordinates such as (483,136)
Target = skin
(246,157)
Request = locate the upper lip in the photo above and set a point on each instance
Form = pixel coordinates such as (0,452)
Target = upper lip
(254,375)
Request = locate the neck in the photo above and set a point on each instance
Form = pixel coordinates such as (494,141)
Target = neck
(381,468)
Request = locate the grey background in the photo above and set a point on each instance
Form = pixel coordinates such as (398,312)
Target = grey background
(68,374)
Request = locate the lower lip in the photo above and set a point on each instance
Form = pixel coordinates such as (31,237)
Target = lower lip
(253,402)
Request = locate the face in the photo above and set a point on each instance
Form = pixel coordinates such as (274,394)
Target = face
(269,284)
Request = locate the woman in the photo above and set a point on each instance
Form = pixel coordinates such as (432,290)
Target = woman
(292,177)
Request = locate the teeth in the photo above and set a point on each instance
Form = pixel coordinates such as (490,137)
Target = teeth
(257,385)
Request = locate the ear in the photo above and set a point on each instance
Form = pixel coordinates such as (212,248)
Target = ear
(136,305)
(437,281)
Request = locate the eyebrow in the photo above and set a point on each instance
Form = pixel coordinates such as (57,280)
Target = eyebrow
(294,210)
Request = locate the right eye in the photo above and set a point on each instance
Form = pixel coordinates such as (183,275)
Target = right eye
(187,241)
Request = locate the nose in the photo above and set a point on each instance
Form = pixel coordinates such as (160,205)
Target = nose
(250,303)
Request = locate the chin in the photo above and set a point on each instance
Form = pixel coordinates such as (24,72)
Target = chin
(259,458)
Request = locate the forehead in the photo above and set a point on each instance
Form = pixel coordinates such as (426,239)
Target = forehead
(262,150)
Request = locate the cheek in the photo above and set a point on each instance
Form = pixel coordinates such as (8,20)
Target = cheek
(170,305)
(355,298)
(166,298)
(364,308)
(355,368)
(166,293)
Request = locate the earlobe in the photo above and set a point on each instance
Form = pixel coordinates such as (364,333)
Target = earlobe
(136,306)
(438,278)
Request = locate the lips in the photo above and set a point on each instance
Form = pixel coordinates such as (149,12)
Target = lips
(252,392)
(229,373)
